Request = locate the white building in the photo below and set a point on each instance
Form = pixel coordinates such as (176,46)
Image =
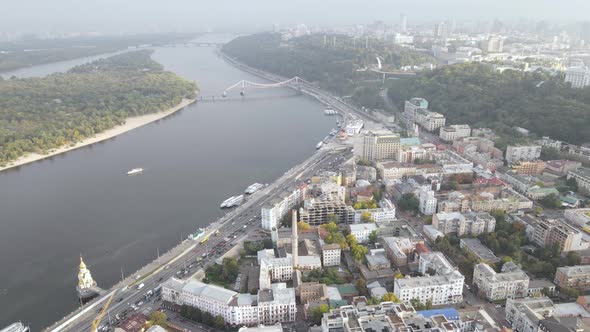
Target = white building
(471,223)
(510,283)
(522,152)
(270,306)
(276,304)
(445,287)
(272,213)
(354,127)
(427,202)
(579,77)
(403,39)
(362,231)
(453,132)
(331,254)
(581,176)
(277,268)
(525,314)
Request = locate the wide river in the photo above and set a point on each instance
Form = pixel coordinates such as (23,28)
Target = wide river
(82,203)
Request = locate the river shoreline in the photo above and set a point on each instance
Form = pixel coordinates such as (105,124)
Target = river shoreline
(130,124)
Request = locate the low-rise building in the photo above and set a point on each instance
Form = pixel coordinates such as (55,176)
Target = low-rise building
(535,167)
(516,153)
(511,282)
(400,250)
(538,287)
(580,217)
(394,170)
(581,176)
(362,231)
(477,249)
(454,132)
(562,166)
(525,314)
(469,223)
(354,127)
(376,260)
(429,120)
(577,277)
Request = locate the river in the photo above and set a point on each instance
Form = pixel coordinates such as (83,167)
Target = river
(81,202)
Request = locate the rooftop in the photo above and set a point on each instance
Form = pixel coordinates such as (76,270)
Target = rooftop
(215,293)
(479,249)
(577,270)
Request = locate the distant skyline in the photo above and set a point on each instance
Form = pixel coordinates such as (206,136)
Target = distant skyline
(136,16)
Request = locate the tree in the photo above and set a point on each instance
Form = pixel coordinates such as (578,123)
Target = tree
(351,240)
(318,312)
(207,319)
(373,237)
(302,225)
(366,217)
(358,252)
(331,227)
(390,297)
(409,202)
(218,322)
(550,202)
(230,268)
(332,218)
(572,258)
(398,275)
(361,285)
(158,318)
(569,292)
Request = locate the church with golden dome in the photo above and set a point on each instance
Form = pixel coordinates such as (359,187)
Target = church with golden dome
(86,285)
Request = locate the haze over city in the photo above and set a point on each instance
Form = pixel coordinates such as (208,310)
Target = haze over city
(136,16)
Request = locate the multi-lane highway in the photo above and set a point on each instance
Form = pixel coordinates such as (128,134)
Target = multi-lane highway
(235,226)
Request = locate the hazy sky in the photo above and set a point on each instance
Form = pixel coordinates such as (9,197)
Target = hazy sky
(113,16)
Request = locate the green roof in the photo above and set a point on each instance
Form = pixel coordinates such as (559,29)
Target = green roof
(338,303)
(347,289)
(410,141)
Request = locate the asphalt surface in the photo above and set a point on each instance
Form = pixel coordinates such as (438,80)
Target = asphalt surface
(240,222)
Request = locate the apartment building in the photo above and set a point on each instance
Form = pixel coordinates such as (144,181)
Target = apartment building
(429,120)
(272,213)
(394,170)
(331,254)
(410,153)
(524,314)
(579,77)
(581,176)
(378,145)
(516,153)
(444,287)
(561,166)
(269,306)
(553,231)
(577,277)
(427,202)
(454,132)
(511,282)
(316,211)
(414,104)
(400,250)
(469,223)
(477,249)
(272,268)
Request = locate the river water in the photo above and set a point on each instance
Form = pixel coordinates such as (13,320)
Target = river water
(82,203)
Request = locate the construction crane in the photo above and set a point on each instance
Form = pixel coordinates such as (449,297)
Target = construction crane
(98,318)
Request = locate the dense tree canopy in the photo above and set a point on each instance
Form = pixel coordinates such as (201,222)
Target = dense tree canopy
(40,114)
(479,95)
(338,68)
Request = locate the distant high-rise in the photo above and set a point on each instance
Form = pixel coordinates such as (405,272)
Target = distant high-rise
(403,23)
(440,30)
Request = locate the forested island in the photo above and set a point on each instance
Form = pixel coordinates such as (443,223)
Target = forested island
(25,53)
(479,95)
(40,114)
(336,62)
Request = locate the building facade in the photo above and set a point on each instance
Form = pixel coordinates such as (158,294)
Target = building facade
(516,153)
(454,132)
(331,254)
(525,314)
(579,77)
(581,176)
(510,283)
(379,145)
(577,277)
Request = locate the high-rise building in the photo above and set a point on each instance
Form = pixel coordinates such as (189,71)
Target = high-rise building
(403,23)
(441,30)
(378,145)
(522,152)
(494,44)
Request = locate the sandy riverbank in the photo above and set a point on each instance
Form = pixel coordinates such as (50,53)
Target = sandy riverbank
(130,124)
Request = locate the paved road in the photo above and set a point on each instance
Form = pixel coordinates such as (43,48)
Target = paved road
(240,222)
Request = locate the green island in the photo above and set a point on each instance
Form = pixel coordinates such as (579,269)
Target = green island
(340,69)
(479,95)
(25,53)
(40,114)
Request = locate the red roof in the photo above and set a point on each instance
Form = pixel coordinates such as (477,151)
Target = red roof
(492,181)
(421,248)
(134,323)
